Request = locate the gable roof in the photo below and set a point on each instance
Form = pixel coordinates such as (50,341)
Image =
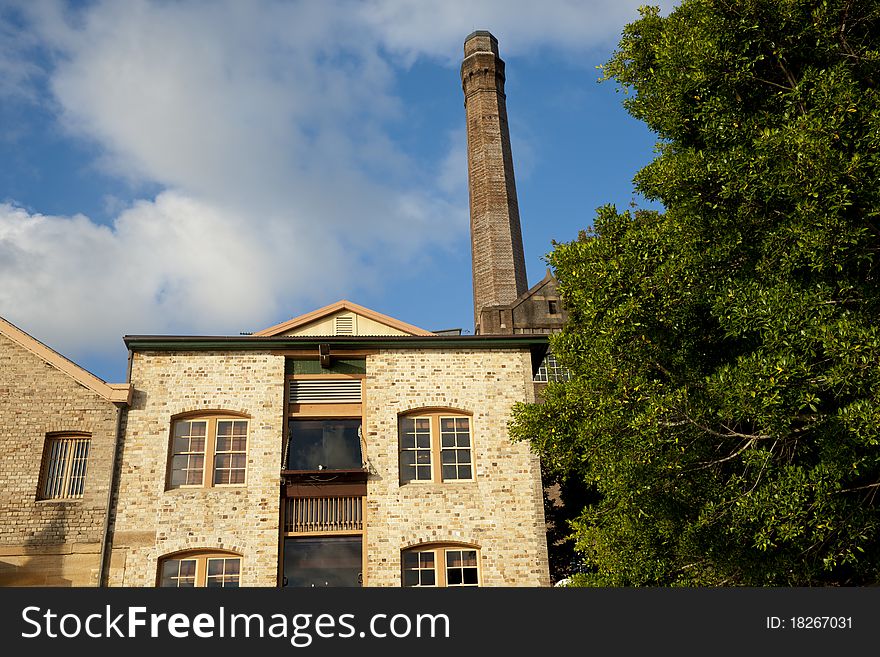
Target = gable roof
(340,306)
(119,393)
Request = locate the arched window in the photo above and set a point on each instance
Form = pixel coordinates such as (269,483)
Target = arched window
(208,449)
(440,565)
(436,445)
(213,569)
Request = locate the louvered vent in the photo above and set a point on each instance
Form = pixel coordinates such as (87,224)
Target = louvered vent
(345,325)
(338,391)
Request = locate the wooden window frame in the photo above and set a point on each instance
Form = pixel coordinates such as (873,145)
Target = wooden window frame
(210,452)
(69,472)
(435,416)
(440,569)
(201,559)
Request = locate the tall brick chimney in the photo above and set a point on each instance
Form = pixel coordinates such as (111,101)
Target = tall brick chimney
(499,267)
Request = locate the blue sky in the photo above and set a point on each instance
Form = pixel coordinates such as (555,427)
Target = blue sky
(217,167)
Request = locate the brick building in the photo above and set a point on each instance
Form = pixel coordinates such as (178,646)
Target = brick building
(58,430)
(339,448)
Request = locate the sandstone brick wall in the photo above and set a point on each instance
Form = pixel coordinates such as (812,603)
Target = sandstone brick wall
(501,511)
(47,542)
(150,521)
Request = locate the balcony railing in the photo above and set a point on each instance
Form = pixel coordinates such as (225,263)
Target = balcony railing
(311,515)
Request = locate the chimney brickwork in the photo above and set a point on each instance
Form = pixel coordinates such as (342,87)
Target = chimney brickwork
(499,270)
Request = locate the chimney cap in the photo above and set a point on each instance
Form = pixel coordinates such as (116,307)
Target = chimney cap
(480,41)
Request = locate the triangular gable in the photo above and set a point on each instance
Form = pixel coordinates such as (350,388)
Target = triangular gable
(112,392)
(548,279)
(343,318)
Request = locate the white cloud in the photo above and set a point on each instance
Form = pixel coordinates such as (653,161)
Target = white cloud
(414,28)
(267,123)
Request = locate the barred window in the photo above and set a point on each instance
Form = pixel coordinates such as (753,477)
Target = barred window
(65,462)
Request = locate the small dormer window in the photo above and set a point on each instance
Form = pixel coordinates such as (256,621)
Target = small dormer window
(552,306)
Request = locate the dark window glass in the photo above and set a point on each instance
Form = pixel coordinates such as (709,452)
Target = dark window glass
(327,561)
(324,445)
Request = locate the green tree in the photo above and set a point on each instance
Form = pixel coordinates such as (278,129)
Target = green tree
(725,353)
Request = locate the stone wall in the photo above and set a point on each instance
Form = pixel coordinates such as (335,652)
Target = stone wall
(49,542)
(501,512)
(150,521)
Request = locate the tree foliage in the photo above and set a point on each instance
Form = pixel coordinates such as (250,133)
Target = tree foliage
(725,353)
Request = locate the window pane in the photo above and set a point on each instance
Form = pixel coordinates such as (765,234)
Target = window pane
(326,561)
(424,441)
(463,455)
(447,424)
(470,576)
(449,472)
(180,444)
(178,573)
(187,460)
(447,440)
(324,445)
(453,577)
(464,472)
(418,568)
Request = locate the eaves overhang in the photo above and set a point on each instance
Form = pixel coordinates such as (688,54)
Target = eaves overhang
(537,344)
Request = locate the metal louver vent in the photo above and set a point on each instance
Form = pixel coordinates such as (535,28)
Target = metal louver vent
(345,325)
(333,391)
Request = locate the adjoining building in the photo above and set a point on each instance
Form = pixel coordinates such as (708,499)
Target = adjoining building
(58,438)
(340,448)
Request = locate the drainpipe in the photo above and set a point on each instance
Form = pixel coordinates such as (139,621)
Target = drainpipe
(104,564)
